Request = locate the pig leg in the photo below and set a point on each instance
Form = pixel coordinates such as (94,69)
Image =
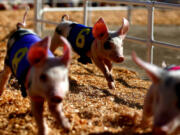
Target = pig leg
(4,77)
(148,108)
(105,69)
(55,42)
(111,80)
(109,64)
(57,111)
(37,110)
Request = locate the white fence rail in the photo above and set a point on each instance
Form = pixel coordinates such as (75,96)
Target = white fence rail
(150,5)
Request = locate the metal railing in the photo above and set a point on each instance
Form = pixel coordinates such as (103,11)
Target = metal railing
(150,5)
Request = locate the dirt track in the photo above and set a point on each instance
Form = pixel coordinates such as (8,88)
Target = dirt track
(91,107)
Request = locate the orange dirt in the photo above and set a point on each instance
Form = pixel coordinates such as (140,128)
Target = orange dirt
(91,107)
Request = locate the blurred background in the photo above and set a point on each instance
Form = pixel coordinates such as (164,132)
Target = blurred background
(17,4)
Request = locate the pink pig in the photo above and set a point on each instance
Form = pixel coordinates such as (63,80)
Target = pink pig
(48,79)
(97,44)
(41,75)
(162,102)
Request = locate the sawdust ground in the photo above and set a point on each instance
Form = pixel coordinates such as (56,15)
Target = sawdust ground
(90,106)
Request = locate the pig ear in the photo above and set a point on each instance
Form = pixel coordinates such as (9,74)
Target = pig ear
(124,28)
(100,30)
(39,51)
(67,51)
(153,71)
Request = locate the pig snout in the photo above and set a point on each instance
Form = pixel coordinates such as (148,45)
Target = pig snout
(56,96)
(165,123)
(117,58)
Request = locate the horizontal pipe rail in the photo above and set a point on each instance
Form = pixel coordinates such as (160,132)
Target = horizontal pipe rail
(62,9)
(166,45)
(166,5)
(108,8)
(154,43)
(136,40)
(132,39)
(46,21)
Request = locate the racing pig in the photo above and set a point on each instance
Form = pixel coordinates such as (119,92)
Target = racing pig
(97,44)
(43,76)
(162,102)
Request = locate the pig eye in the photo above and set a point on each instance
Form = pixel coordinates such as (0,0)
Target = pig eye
(107,45)
(43,77)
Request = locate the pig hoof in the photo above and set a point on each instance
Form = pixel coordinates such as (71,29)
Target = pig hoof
(44,131)
(158,131)
(111,85)
(66,124)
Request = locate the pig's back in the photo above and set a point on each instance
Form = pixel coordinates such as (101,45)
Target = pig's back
(81,38)
(16,58)
(18,46)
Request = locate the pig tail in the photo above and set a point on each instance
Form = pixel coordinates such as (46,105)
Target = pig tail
(23,23)
(63,17)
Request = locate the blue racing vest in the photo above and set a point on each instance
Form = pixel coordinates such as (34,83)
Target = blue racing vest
(18,46)
(81,38)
